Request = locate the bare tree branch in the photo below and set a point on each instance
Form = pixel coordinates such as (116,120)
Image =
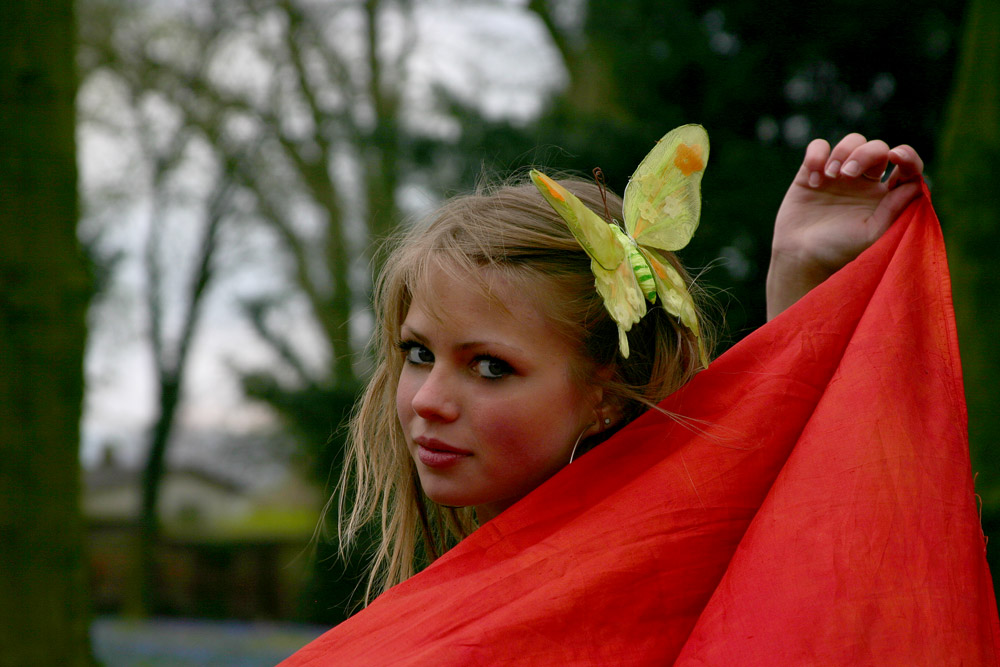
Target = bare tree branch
(256,311)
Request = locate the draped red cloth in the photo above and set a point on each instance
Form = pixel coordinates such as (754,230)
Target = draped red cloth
(814,505)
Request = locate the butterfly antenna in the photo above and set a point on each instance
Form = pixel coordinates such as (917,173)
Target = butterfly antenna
(602,186)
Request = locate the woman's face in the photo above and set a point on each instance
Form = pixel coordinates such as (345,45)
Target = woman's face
(486,398)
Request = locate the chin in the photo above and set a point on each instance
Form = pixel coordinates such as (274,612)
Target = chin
(450,503)
(447,499)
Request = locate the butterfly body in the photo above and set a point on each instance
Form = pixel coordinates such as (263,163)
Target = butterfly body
(662,207)
(643,271)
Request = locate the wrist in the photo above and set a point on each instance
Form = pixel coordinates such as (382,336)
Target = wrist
(789,278)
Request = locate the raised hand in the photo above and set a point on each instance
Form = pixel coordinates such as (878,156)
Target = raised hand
(838,204)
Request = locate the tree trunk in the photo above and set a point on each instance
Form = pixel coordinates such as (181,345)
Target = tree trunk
(44,291)
(968,199)
(149,524)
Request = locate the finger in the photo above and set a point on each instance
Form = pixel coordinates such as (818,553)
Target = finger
(840,153)
(909,165)
(868,160)
(814,162)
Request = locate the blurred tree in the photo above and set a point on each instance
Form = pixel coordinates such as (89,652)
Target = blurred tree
(44,289)
(969,203)
(170,349)
(178,262)
(170,359)
(274,96)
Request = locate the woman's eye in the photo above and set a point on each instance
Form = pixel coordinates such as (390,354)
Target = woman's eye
(417,354)
(493,369)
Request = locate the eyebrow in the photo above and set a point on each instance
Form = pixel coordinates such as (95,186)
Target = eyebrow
(408,331)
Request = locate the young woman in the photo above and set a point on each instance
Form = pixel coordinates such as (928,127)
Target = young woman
(499,361)
(806,499)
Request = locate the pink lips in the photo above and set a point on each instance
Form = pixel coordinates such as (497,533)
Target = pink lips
(436,454)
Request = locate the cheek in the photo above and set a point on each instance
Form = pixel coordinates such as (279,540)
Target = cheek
(532,436)
(405,390)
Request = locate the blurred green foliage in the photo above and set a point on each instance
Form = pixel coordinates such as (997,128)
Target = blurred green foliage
(969,203)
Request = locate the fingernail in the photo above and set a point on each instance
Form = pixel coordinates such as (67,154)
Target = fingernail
(833,169)
(815,178)
(851,169)
(896,153)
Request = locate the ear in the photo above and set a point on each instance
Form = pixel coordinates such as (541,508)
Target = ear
(608,415)
(607,407)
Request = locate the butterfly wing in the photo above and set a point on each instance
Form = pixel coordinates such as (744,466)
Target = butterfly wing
(663,198)
(622,298)
(593,233)
(662,208)
(613,275)
(674,296)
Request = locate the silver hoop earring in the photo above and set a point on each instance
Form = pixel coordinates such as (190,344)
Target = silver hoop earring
(579,439)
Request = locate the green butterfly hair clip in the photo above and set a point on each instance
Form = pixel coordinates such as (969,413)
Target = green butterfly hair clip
(662,205)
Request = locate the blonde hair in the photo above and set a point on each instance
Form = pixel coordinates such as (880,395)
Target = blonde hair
(512,230)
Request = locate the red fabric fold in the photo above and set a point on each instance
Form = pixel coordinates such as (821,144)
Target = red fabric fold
(810,503)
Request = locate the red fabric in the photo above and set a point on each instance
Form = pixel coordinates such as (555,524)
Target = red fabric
(814,506)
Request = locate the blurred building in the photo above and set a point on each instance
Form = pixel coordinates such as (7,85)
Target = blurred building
(230,549)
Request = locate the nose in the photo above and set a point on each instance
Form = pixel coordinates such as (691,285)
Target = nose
(436,399)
